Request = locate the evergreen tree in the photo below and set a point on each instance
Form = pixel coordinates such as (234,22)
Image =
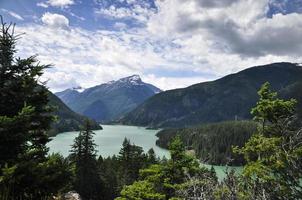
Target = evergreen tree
(24,114)
(140,190)
(108,168)
(24,121)
(273,113)
(131,160)
(178,166)
(273,154)
(161,181)
(87,180)
(212,143)
(151,157)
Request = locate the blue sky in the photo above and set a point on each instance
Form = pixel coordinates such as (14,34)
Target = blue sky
(169,43)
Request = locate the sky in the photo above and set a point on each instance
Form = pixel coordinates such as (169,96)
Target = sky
(169,43)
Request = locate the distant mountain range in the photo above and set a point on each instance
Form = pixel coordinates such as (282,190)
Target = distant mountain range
(228,98)
(109,101)
(67,120)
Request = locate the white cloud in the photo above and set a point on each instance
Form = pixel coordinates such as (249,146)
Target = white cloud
(168,83)
(55,20)
(60,3)
(206,38)
(13,14)
(59,80)
(136,11)
(56,3)
(42,4)
(238,30)
(76,16)
(120,25)
(89,57)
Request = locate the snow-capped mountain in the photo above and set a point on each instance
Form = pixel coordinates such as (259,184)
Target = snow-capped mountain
(110,100)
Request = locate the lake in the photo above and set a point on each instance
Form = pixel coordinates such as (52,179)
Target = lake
(110,139)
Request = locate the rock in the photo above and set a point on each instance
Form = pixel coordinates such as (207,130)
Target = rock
(72,195)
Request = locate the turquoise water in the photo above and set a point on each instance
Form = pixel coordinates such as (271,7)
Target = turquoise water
(110,139)
(221,170)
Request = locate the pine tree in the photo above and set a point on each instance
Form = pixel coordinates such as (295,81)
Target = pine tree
(273,154)
(273,113)
(151,156)
(24,114)
(87,180)
(24,121)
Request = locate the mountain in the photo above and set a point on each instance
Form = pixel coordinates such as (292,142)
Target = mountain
(67,120)
(294,91)
(67,96)
(111,100)
(224,99)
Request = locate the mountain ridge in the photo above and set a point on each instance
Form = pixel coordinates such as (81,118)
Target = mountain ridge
(227,98)
(109,101)
(67,120)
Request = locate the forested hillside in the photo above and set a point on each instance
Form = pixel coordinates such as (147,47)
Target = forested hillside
(224,99)
(66,119)
(294,91)
(212,143)
(271,146)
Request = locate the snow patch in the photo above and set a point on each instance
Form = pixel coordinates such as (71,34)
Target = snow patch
(133,80)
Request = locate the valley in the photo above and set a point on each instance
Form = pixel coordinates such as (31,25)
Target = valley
(150,100)
(110,139)
(109,142)
(210,117)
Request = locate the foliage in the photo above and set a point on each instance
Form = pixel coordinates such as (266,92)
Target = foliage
(276,112)
(26,172)
(164,179)
(140,190)
(24,112)
(212,143)
(274,154)
(109,170)
(119,171)
(87,181)
(131,159)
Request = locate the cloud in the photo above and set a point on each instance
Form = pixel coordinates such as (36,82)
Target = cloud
(203,39)
(277,36)
(59,80)
(60,3)
(241,28)
(76,16)
(13,14)
(42,4)
(56,3)
(55,20)
(120,25)
(168,83)
(140,11)
(89,57)
(215,3)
